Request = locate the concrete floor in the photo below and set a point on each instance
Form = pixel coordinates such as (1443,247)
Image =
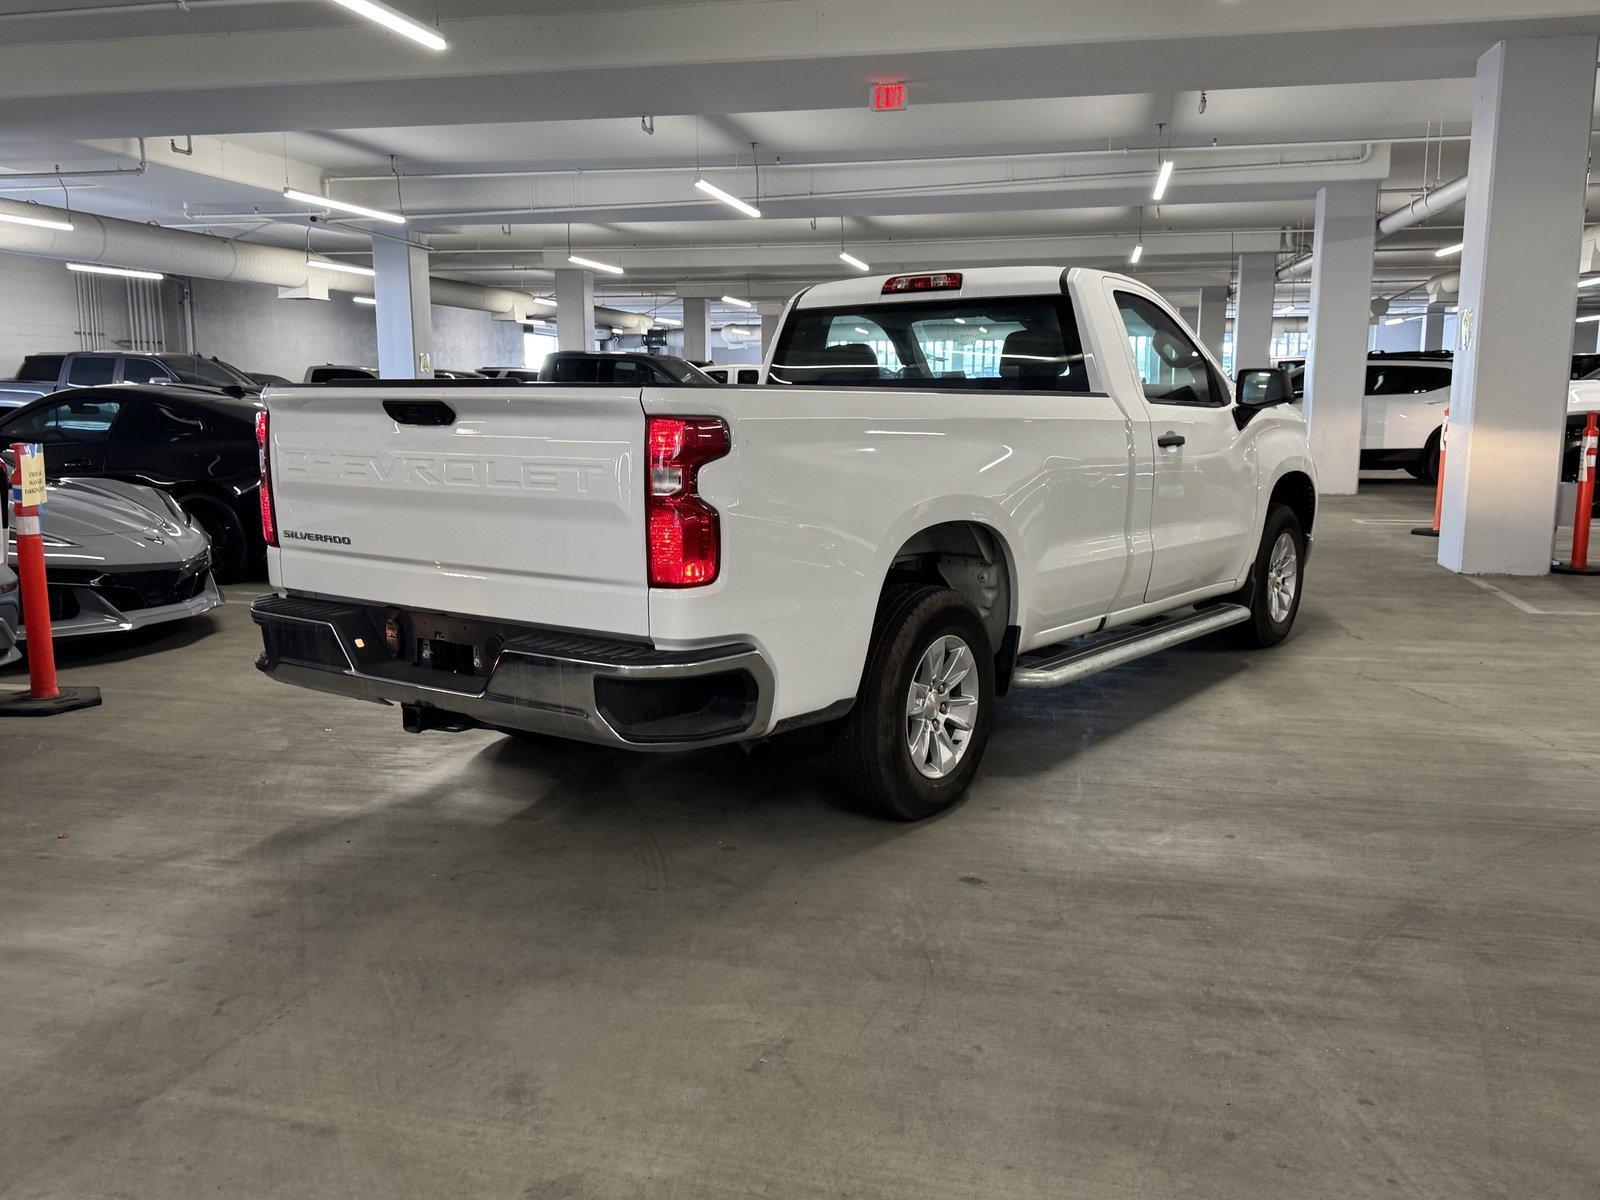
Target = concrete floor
(1315,923)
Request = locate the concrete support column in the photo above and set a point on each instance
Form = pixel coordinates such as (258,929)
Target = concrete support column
(1341,307)
(405,310)
(697,328)
(1252,310)
(1213,318)
(1433,327)
(1524,226)
(574,309)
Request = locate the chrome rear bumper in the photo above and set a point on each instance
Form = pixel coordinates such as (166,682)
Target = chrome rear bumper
(589,688)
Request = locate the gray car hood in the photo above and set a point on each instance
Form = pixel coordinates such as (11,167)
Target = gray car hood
(115,526)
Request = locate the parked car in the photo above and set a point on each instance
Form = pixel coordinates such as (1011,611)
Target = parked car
(984,479)
(523,374)
(626,369)
(264,379)
(120,556)
(743,375)
(196,444)
(41,374)
(1406,395)
(10,594)
(1585,366)
(334,372)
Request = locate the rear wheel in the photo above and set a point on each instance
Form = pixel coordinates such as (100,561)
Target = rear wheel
(230,550)
(1428,469)
(921,721)
(1273,593)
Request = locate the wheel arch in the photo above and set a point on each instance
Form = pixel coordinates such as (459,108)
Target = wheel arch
(1296,491)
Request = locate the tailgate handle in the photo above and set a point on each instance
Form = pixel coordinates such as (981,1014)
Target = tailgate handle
(420,412)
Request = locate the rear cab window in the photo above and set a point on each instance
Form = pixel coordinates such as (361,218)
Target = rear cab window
(41,368)
(967,344)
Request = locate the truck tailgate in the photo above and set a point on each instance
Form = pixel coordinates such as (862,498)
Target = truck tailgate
(520,504)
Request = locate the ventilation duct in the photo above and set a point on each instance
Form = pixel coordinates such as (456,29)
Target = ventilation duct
(114,242)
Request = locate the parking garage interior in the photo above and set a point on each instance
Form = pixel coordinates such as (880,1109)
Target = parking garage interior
(1318,922)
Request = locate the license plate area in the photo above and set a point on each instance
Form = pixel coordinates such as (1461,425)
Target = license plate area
(448,645)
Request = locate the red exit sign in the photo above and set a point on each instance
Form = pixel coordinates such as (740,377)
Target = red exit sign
(888,97)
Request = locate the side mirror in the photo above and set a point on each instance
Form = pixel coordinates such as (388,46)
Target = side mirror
(1261,387)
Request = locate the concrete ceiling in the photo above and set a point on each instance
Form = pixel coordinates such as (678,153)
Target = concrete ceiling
(1031,134)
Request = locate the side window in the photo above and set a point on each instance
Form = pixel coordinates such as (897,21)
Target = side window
(576,370)
(1376,381)
(78,421)
(750,377)
(91,370)
(633,374)
(1170,365)
(142,370)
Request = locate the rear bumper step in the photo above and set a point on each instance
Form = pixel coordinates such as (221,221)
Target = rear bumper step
(1057,666)
(589,688)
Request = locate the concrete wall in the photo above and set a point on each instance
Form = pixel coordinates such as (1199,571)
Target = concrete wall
(248,325)
(39,309)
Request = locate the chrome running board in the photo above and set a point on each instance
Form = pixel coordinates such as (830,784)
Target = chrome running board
(1055,666)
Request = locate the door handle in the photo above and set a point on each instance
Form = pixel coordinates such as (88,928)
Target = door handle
(1169,439)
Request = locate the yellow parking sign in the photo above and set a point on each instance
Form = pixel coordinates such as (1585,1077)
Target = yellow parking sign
(30,475)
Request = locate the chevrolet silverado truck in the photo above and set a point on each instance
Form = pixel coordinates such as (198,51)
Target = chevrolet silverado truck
(952,484)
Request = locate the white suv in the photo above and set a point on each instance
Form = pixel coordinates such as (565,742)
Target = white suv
(1403,411)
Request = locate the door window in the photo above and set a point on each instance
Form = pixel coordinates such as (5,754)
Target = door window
(147,421)
(142,370)
(1399,379)
(78,421)
(1169,364)
(91,370)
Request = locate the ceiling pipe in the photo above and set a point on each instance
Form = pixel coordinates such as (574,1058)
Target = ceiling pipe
(1446,195)
(109,240)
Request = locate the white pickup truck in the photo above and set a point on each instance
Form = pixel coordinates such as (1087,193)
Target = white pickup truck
(953,483)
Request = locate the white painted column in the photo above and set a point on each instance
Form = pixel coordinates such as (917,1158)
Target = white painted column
(1213,321)
(697,328)
(1341,305)
(404,311)
(1433,327)
(1252,310)
(1524,226)
(574,309)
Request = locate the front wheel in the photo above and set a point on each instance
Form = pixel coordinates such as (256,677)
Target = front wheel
(1273,592)
(921,720)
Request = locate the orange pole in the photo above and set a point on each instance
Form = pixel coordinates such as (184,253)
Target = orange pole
(1584,508)
(35,598)
(1438,489)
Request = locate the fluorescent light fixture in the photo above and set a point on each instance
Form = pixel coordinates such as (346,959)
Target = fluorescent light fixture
(667,321)
(37,222)
(359,210)
(855,262)
(863,331)
(1163,177)
(363,299)
(736,300)
(1592,281)
(395,22)
(125,272)
(728,198)
(593,265)
(1447,251)
(544,300)
(1590,319)
(1138,253)
(1397,320)
(961,320)
(327,264)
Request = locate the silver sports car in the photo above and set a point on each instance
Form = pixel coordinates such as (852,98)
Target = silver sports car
(120,556)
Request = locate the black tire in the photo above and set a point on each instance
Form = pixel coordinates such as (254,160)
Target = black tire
(1263,631)
(1417,470)
(869,749)
(230,547)
(1428,469)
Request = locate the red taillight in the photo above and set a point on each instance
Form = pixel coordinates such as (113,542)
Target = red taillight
(940,281)
(269,515)
(683,534)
